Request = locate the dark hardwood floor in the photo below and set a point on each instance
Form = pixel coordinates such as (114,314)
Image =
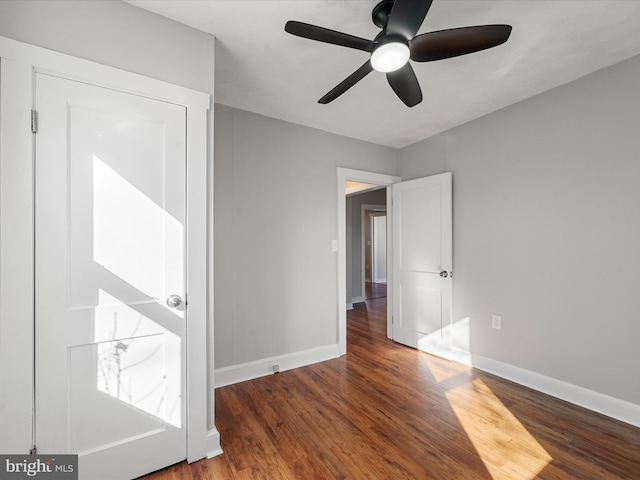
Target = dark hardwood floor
(384,411)
(374,290)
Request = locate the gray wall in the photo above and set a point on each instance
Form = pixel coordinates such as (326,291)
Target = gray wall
(547,229)
(354,238)
(276,215)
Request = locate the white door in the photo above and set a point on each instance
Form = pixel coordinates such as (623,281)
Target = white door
(379,256)
(110,249)
(422,264)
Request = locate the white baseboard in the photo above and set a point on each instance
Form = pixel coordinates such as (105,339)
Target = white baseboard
(213,444)
(606,405)
(357,300)
(349,306)
(260,368)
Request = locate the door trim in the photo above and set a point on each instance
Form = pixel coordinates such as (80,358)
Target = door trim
(363,209)
(19,62)
(374,249)
(343,175)
(16,252)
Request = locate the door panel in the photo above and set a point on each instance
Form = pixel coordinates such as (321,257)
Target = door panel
(110,210)
(421,308)
(422,249)
(421,243)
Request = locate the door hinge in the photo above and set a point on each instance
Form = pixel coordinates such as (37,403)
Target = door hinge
(33,451)
(34,121)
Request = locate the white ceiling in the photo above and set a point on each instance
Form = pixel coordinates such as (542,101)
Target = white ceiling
(262,69)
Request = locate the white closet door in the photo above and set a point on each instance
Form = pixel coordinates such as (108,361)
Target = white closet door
(110,251)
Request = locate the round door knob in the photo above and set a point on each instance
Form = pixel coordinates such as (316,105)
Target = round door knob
(444,274)
(174,301)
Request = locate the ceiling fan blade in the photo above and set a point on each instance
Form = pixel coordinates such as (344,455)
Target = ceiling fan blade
(406,86)
(457,41)
(347,83)
(406,17)
(321,34)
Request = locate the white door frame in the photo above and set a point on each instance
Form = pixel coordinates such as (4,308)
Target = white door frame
(375,267)
(363,210)
(345,174)
(374,249)
(18,63)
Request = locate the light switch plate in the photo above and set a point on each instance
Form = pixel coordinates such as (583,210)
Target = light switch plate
(496,322)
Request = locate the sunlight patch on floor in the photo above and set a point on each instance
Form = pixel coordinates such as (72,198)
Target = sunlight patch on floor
(443,371)
(505,446)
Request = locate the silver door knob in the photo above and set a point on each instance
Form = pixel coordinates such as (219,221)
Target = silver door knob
(444,274)
(174,301)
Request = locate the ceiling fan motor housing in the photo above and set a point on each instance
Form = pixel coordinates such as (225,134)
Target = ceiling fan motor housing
(380,13)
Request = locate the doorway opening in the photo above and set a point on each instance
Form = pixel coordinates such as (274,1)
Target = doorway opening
(366,252)
(366,230)
(419,214)
(351,223)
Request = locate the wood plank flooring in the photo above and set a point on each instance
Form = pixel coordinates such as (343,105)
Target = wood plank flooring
(385,411)
(375,290)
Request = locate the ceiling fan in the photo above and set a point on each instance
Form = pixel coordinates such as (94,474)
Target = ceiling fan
(392,48)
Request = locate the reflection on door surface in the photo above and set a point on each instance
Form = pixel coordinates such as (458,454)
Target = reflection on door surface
(110,248)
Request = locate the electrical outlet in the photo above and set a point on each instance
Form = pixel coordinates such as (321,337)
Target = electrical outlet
(496,322)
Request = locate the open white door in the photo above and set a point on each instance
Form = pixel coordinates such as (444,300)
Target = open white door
(422,263)
(110,276)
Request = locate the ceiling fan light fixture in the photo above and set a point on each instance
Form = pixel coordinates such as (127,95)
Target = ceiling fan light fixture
(390,57)
(398,42)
